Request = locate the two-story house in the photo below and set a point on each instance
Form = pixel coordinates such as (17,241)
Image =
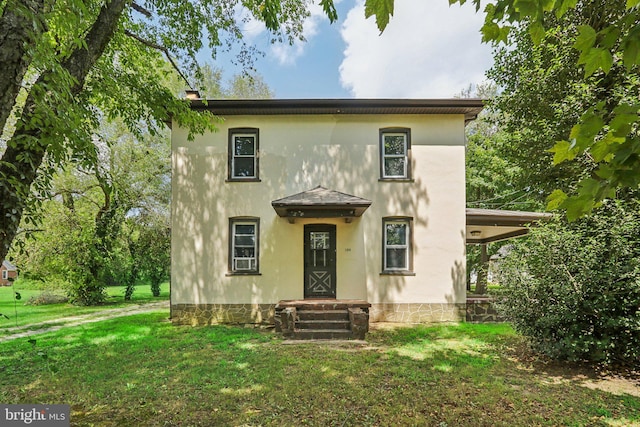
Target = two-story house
(356,200)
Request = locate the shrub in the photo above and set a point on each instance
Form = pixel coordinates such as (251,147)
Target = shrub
(574,289)
(85,290)
(45,298)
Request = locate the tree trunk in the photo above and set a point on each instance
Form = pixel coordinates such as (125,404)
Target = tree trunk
(481,281)
(20,26)
(26,149)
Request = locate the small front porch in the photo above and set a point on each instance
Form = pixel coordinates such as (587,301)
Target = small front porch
(327,319)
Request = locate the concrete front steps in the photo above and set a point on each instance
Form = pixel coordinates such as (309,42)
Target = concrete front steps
(322,319)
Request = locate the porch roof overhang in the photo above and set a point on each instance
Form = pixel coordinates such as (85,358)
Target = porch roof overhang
(320,202)
(492,225)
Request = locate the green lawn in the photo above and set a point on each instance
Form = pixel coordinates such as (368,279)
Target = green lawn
(141,370)
(20,314)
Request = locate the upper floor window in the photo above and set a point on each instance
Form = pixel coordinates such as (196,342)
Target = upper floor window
(397,250)
(243,154)
(243,251)
(395,149)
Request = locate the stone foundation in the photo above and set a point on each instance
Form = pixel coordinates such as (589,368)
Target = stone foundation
(417,313)
(481,310)
(211,314)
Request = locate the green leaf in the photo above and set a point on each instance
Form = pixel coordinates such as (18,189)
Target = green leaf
(490,32)
(602,150)
(563,6)
(627,109)
(622,123)
(590,125)
(537,32)
(586,38)
(329,9)
(382,9)
(585,132)
(555,200)
(563,150)
(270,10)
(595,59)
(609,36)
(632,3)
(578,206)
(526,7)
(631,49)
(623,153)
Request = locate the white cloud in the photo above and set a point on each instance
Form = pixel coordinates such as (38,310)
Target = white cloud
(287,54)
(428,50)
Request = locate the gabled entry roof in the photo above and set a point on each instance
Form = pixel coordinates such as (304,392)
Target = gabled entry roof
(320,202)
(492,225)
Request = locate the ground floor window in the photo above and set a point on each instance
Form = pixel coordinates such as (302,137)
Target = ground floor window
(397,247)
(243,250)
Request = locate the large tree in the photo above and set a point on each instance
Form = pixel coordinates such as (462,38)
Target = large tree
(109,223)
(544,96)
(606,43)
(81,61)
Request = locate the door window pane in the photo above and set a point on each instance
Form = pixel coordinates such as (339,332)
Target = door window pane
(319,240)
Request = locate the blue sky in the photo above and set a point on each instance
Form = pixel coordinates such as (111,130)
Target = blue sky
(429,50)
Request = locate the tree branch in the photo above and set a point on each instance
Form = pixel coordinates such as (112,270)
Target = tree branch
(135,6)
(162,49)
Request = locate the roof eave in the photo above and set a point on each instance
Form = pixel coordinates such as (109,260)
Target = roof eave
(469,107)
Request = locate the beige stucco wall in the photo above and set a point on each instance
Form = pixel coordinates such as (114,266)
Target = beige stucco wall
(298,153)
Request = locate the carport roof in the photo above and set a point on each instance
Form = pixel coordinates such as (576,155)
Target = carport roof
(492,225)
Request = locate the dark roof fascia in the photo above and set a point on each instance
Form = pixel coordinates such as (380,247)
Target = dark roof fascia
(496,217)
(469,107)
(499,237)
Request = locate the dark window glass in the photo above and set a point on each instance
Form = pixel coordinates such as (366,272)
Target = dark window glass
(397,259)
(245,146)
(244,167)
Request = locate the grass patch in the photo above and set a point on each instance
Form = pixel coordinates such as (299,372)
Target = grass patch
(19,314)
(141,370)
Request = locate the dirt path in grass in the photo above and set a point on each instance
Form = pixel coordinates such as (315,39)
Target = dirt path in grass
(98,316)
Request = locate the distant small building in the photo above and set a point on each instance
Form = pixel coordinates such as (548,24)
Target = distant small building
(8,273)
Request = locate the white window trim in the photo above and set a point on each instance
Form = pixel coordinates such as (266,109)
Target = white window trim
(235,156)
(403,156)
(253,262)
(406,246)
(5,274)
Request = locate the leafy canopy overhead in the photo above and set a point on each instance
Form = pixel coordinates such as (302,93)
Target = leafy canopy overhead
(610,40)
(69,64)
